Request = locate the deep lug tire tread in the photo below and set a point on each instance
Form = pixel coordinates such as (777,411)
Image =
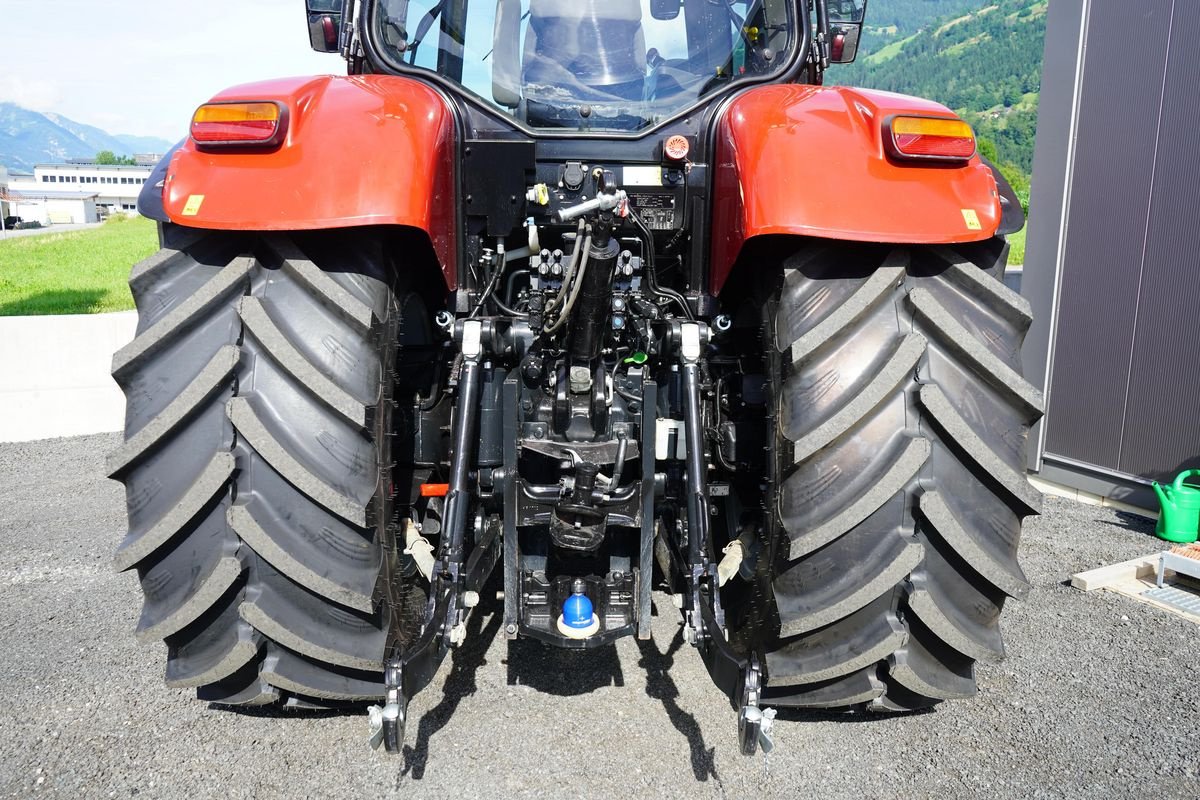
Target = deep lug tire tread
(901,420)
(253,468)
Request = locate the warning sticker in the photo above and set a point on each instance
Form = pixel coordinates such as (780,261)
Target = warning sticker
(192,207)
(972,219)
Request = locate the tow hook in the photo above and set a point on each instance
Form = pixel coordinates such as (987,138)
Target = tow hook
(387,722)
(754,723)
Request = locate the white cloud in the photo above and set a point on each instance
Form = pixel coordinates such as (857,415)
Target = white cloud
(35,94)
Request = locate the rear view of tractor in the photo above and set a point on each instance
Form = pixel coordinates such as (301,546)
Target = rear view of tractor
(609,297)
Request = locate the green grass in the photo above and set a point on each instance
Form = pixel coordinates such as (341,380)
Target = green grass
(86,272)
(889,51)
(79,272)
(1016,246)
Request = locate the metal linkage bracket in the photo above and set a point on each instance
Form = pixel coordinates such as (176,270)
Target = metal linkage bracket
(754,723)
(691,338)
(740,679)
(387,722)
(455,579)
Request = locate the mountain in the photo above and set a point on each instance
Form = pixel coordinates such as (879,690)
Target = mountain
(984,61)
(29,137)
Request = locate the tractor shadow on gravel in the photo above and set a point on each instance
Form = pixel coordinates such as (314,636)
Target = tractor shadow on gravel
(482,628)
(661,686)
(569,673)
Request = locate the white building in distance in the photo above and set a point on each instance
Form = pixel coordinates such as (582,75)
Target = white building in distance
(76,192)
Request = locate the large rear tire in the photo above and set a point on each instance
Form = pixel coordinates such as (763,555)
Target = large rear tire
(256,462)
(900,423)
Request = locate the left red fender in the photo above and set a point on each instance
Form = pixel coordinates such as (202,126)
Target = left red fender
(358,150)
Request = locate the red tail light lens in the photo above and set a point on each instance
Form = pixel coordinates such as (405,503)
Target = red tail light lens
(837,48)
(929,138)
(239,124)
(330,32)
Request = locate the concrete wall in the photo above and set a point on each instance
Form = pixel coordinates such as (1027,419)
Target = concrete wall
(54,377)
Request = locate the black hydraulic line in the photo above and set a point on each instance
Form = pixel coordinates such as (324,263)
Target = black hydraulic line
(648,267)
(489,288)
(508,293)
(619,462)
(510,311)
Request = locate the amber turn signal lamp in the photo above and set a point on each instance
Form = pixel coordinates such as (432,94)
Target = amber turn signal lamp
(257,124)
(929,138)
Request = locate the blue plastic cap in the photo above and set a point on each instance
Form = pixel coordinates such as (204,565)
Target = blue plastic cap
(577,611)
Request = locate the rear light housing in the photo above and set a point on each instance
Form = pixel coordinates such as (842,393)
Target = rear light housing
(239,124)
(941,139)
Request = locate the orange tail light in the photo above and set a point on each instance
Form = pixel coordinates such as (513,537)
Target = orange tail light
(258,124)
(928,139)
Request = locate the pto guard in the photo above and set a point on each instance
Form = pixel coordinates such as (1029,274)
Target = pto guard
(359,150)
(810,161)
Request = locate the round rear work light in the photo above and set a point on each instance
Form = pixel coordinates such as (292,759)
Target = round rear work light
(676,147)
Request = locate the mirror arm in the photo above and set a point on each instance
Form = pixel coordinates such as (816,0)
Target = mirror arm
(347,32)
(821,42)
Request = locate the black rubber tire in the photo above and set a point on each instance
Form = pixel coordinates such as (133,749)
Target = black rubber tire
(256,462)
(900,425)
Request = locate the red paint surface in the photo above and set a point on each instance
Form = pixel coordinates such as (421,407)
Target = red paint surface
(359,150)
(809,161)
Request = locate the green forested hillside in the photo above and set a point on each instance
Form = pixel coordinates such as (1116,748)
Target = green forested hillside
(985,63)
(904,17)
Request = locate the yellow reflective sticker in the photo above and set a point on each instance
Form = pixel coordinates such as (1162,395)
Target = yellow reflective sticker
(969,217)
(192,208)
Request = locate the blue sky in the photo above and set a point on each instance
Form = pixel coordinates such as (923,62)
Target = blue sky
(142,66)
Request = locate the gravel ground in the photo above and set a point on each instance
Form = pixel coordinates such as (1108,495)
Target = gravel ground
(1096,699)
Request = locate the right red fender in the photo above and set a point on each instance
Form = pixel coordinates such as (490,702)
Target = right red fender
(810,161)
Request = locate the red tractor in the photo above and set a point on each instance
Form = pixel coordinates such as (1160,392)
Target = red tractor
(609,296)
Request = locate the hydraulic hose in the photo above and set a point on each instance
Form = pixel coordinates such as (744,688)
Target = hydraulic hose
(572,264)
(493,279)
(648,268)
(575,289)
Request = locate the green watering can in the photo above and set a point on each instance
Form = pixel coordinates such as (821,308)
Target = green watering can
(1180,517)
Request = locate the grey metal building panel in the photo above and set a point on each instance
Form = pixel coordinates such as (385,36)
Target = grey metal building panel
(1161,432)
(1052,164)
(1114,158)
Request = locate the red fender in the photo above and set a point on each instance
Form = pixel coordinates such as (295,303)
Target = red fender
(359,150)
(809,160)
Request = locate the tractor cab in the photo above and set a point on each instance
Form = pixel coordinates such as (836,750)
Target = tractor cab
(598,65)
(594,65)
